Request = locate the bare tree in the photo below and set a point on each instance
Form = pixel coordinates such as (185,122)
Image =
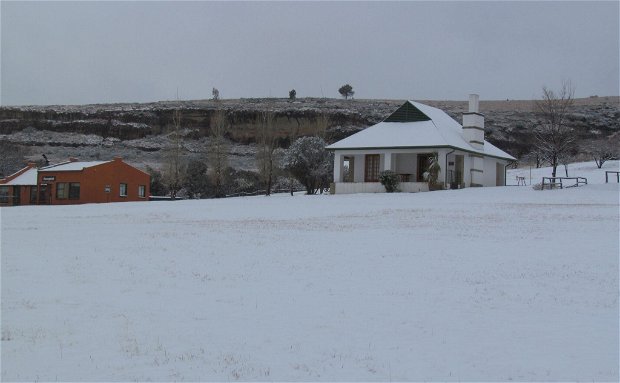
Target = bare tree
(216,94)
(218,151)
(604,149)
(554,138)
(174,169)
(266,137)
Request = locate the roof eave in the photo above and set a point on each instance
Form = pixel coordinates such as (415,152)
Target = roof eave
(510,158)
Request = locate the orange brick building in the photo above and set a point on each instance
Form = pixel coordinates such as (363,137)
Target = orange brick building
(19,188)
(78,182)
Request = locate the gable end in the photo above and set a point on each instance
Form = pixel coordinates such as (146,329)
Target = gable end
(407,113)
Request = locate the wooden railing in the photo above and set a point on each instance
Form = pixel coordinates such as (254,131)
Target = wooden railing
(608,172)
(559,182)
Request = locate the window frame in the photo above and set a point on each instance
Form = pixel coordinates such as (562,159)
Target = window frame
(372,167)
(4,196)
(142,191)
(64,189)
(72,188)
(122,189)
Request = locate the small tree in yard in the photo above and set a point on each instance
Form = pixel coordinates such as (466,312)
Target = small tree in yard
(158,188)
(310,163)
(555,140)
(389,180)
(346,91)
(197,179)
(604,149)
(174,166)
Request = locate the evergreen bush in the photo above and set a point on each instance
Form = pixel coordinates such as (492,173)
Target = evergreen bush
(389,180)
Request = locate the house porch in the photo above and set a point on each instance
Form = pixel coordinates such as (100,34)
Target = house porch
(357,171)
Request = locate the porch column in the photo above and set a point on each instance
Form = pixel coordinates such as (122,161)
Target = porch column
(337,166)
(387,161)
(443,164)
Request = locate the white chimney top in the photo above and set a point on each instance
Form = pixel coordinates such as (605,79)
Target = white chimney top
(473,103)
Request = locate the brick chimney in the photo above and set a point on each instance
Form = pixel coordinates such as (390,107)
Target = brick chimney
(473,124)
(73,159)
(118,158)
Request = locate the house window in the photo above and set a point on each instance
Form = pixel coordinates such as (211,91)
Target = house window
(4,194)
(74,190)
(123,190)
(141,191)
(62,190)
(372,168)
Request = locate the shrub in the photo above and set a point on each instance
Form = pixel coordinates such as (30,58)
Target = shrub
(389,180)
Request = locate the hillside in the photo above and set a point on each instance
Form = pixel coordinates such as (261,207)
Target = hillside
(479,284)
(138,132)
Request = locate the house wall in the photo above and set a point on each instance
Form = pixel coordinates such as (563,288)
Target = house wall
(94,180)
(477,170)
(23,197)
(376,187)
(406,163)
(490,171)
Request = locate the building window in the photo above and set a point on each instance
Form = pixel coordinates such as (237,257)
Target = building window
(141,191)
(74,190)
(123,190)
(372,168)
(62,190)
(4,194)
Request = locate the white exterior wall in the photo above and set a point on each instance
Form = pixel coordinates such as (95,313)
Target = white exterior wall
(473,130)
(404,161)
(338,167)
(358,171)
(476,171)
(490,171)
(376,187)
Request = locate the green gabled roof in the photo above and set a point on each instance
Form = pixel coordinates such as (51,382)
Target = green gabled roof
(407,113)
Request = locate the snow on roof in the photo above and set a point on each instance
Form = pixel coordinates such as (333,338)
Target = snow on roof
(440,131)
(29,177)
(73,166)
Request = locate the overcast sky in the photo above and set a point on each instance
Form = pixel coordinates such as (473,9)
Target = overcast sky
(85,52)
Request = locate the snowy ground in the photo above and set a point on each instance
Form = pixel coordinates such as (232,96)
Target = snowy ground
(491,284)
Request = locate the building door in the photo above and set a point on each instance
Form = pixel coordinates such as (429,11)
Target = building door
(371,171)
(423,163)
(44,194)
(499,174)
(17,193)
(459,169)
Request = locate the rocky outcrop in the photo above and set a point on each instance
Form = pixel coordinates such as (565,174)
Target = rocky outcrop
(143,128)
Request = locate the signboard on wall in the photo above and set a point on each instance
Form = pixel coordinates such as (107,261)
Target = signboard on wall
(107,188)
(49,178)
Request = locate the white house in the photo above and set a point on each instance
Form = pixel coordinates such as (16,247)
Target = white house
(405,140)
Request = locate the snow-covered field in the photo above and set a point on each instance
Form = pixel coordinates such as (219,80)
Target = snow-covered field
(493,284)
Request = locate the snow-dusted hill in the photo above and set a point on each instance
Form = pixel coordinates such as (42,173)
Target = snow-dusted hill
(493,284)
